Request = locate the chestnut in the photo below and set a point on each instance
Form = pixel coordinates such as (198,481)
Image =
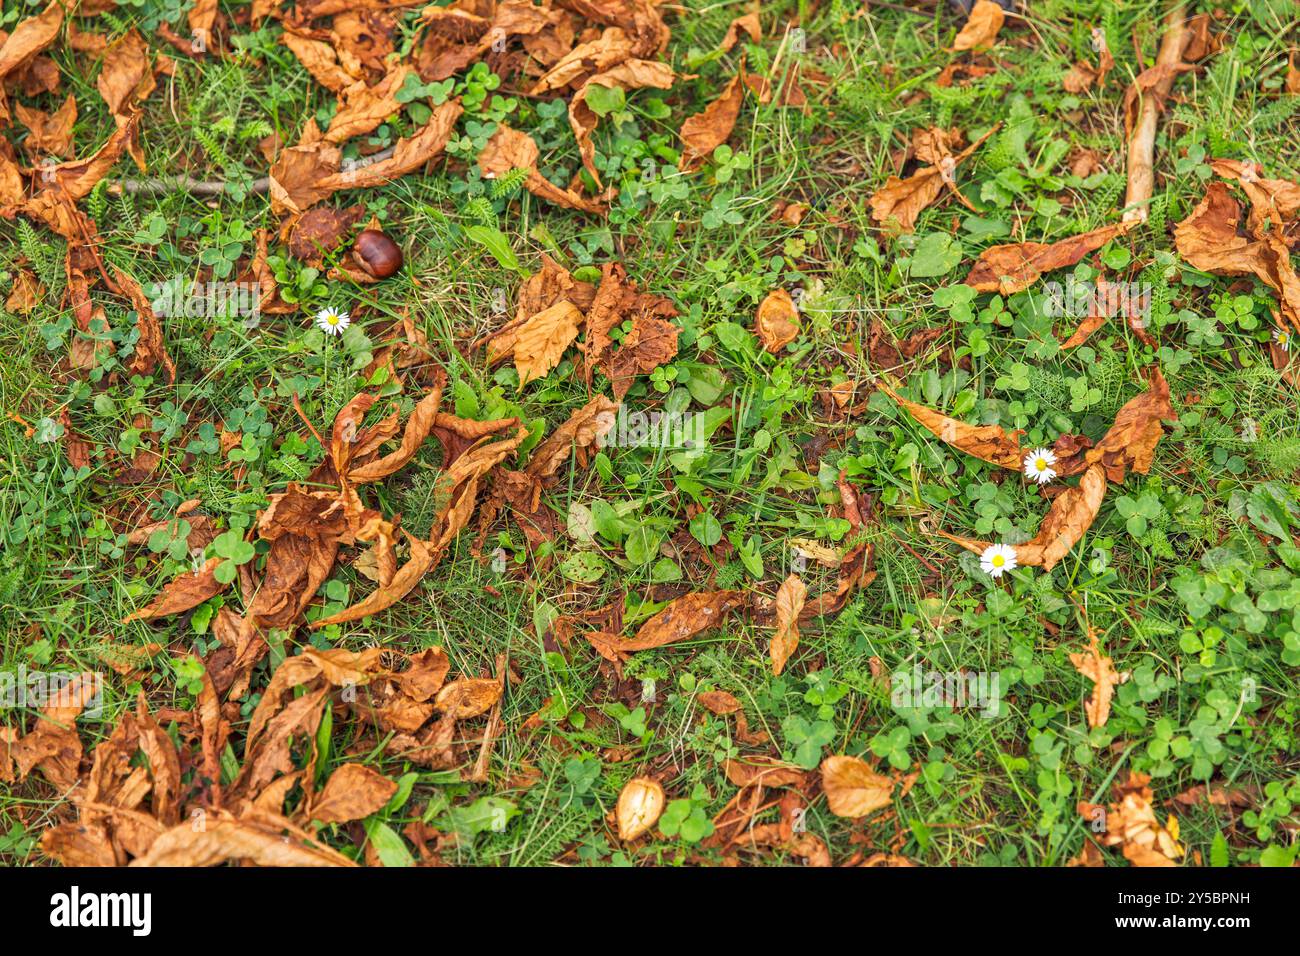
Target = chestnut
(376,253)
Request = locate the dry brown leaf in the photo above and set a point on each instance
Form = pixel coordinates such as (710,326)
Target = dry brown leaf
(427,672)
(707,130)
(981,28)
(930,145)
(28,38)
(1209,240)
(320,60)
(631,75)
(747,24)
(682,619)
(1219,795)
(127,74)
(777,321)
(1151,85)
(364,107)
(1088,856)
(417,430)
(187,591)
(615,301)
(227,840)
(74,179)
(461,483)
(352,792)
(1100,308)
(403,582)
(789,605)
(585,427)
(26,293)
(80,843)
(462,699)
(304,175)
(1083,76)
(718,702)
(150,350)
(1131,440)
(903,200)
(12,190)
(586,60)
(763,771)
(510,149)
(1070,517)
(639,805)
(855,566)
(126,80)
(48,133)
(652,342)
(852,788)
(53,746)
(1200,42)
(365,37)
(1132,825)
(541,342)
(900,201)
(270,755)
(1014,267)
(986,442)
(201,19)
(1271,200)
(1098,669)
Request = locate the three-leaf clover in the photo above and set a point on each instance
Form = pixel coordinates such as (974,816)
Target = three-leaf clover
(231,546)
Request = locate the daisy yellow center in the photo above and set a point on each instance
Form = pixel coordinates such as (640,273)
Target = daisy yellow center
(332,319)
(998,561)
(1041,464)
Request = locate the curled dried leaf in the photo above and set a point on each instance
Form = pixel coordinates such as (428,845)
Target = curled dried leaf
(468,698)
(403,582)
(226,840)
(187,591)
(540,343)
(900,201)
(683,618)
(987,442)
(707,130)
(981,28)
(352,792)
(510,149)
(1098,668)
(789,605)
(852,788)
(1014,267)
(1070,517)
(1131,441)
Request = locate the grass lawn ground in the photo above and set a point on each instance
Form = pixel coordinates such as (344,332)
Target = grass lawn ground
(837,682)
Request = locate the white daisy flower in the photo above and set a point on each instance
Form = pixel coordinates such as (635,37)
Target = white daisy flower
(332,321)
(1283,339)
(1038,465)
(997,559)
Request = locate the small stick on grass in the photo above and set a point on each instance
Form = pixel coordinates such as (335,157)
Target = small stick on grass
(1142,138)
(204,187)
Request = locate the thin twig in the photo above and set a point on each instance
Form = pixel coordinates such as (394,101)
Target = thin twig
(1142,138)
(203,187)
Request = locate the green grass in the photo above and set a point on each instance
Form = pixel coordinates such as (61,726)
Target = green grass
(1215,548)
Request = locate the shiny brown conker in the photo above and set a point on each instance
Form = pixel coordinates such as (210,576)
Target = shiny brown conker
(376,253)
